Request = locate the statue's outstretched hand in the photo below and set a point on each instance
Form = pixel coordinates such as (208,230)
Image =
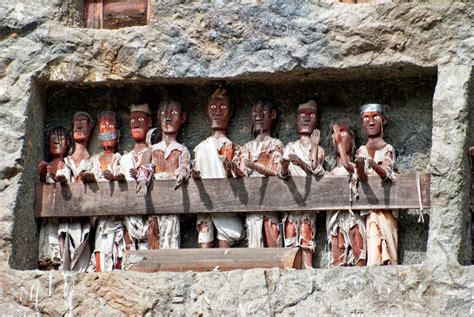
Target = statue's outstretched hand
(108,175)
(195,174)
(180,179)
(133,173)
(120,177)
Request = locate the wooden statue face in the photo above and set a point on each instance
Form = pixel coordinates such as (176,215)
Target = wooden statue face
(262,118)
(372,123)
(171,118)
(81,128)
(218,113)
(58,143)
(108,132)
(341,134)
(140,123)
(306,120)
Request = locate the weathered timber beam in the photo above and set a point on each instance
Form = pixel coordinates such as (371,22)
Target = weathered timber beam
(229,195)
(201,260)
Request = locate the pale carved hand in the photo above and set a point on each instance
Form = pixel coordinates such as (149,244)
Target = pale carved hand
(180,179)
(315,138)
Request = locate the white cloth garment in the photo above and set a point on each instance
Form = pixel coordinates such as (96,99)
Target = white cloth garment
(109,240)
(210,164)
(48,250)
(344,220)
(77,251)
(169,225)
(297,217)
(137,226)
(382,228)
(252,151)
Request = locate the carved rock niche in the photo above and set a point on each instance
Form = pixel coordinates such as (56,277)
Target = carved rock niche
(406,91)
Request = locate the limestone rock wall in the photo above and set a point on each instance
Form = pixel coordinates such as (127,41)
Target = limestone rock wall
(42,44)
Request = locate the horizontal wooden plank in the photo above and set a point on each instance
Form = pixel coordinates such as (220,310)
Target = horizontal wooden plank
(200,260)
(228,195)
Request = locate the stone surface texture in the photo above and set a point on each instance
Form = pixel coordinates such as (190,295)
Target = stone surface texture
(417,57)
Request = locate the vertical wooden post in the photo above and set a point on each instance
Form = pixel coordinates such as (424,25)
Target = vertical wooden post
(93,13)
(148,12)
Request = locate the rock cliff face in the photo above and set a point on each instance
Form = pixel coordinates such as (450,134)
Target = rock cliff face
(344,53)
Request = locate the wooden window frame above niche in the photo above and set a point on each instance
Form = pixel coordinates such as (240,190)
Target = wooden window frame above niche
(115,14)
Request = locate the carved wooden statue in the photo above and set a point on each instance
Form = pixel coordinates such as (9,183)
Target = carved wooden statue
(171,161)
(260,158)
(74,234)
(58,142)
(301,158)
(214,159)
(345,228)
(378,158)
(136,166)
(109,243)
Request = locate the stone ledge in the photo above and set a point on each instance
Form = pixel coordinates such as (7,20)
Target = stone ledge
(416,289)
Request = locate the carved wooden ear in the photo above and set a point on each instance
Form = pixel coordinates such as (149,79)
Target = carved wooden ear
(184,116)
(274,114)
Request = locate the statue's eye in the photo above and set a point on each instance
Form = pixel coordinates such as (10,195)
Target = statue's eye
(366,119)
(174,113)
(254,114)
(312,115)
(344,133)
(111,126)
(302,114)
(376,117)
(141,119)
(223,106)
(132,120)
(103,126)
(83,120)
(213,106)
(264,112)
